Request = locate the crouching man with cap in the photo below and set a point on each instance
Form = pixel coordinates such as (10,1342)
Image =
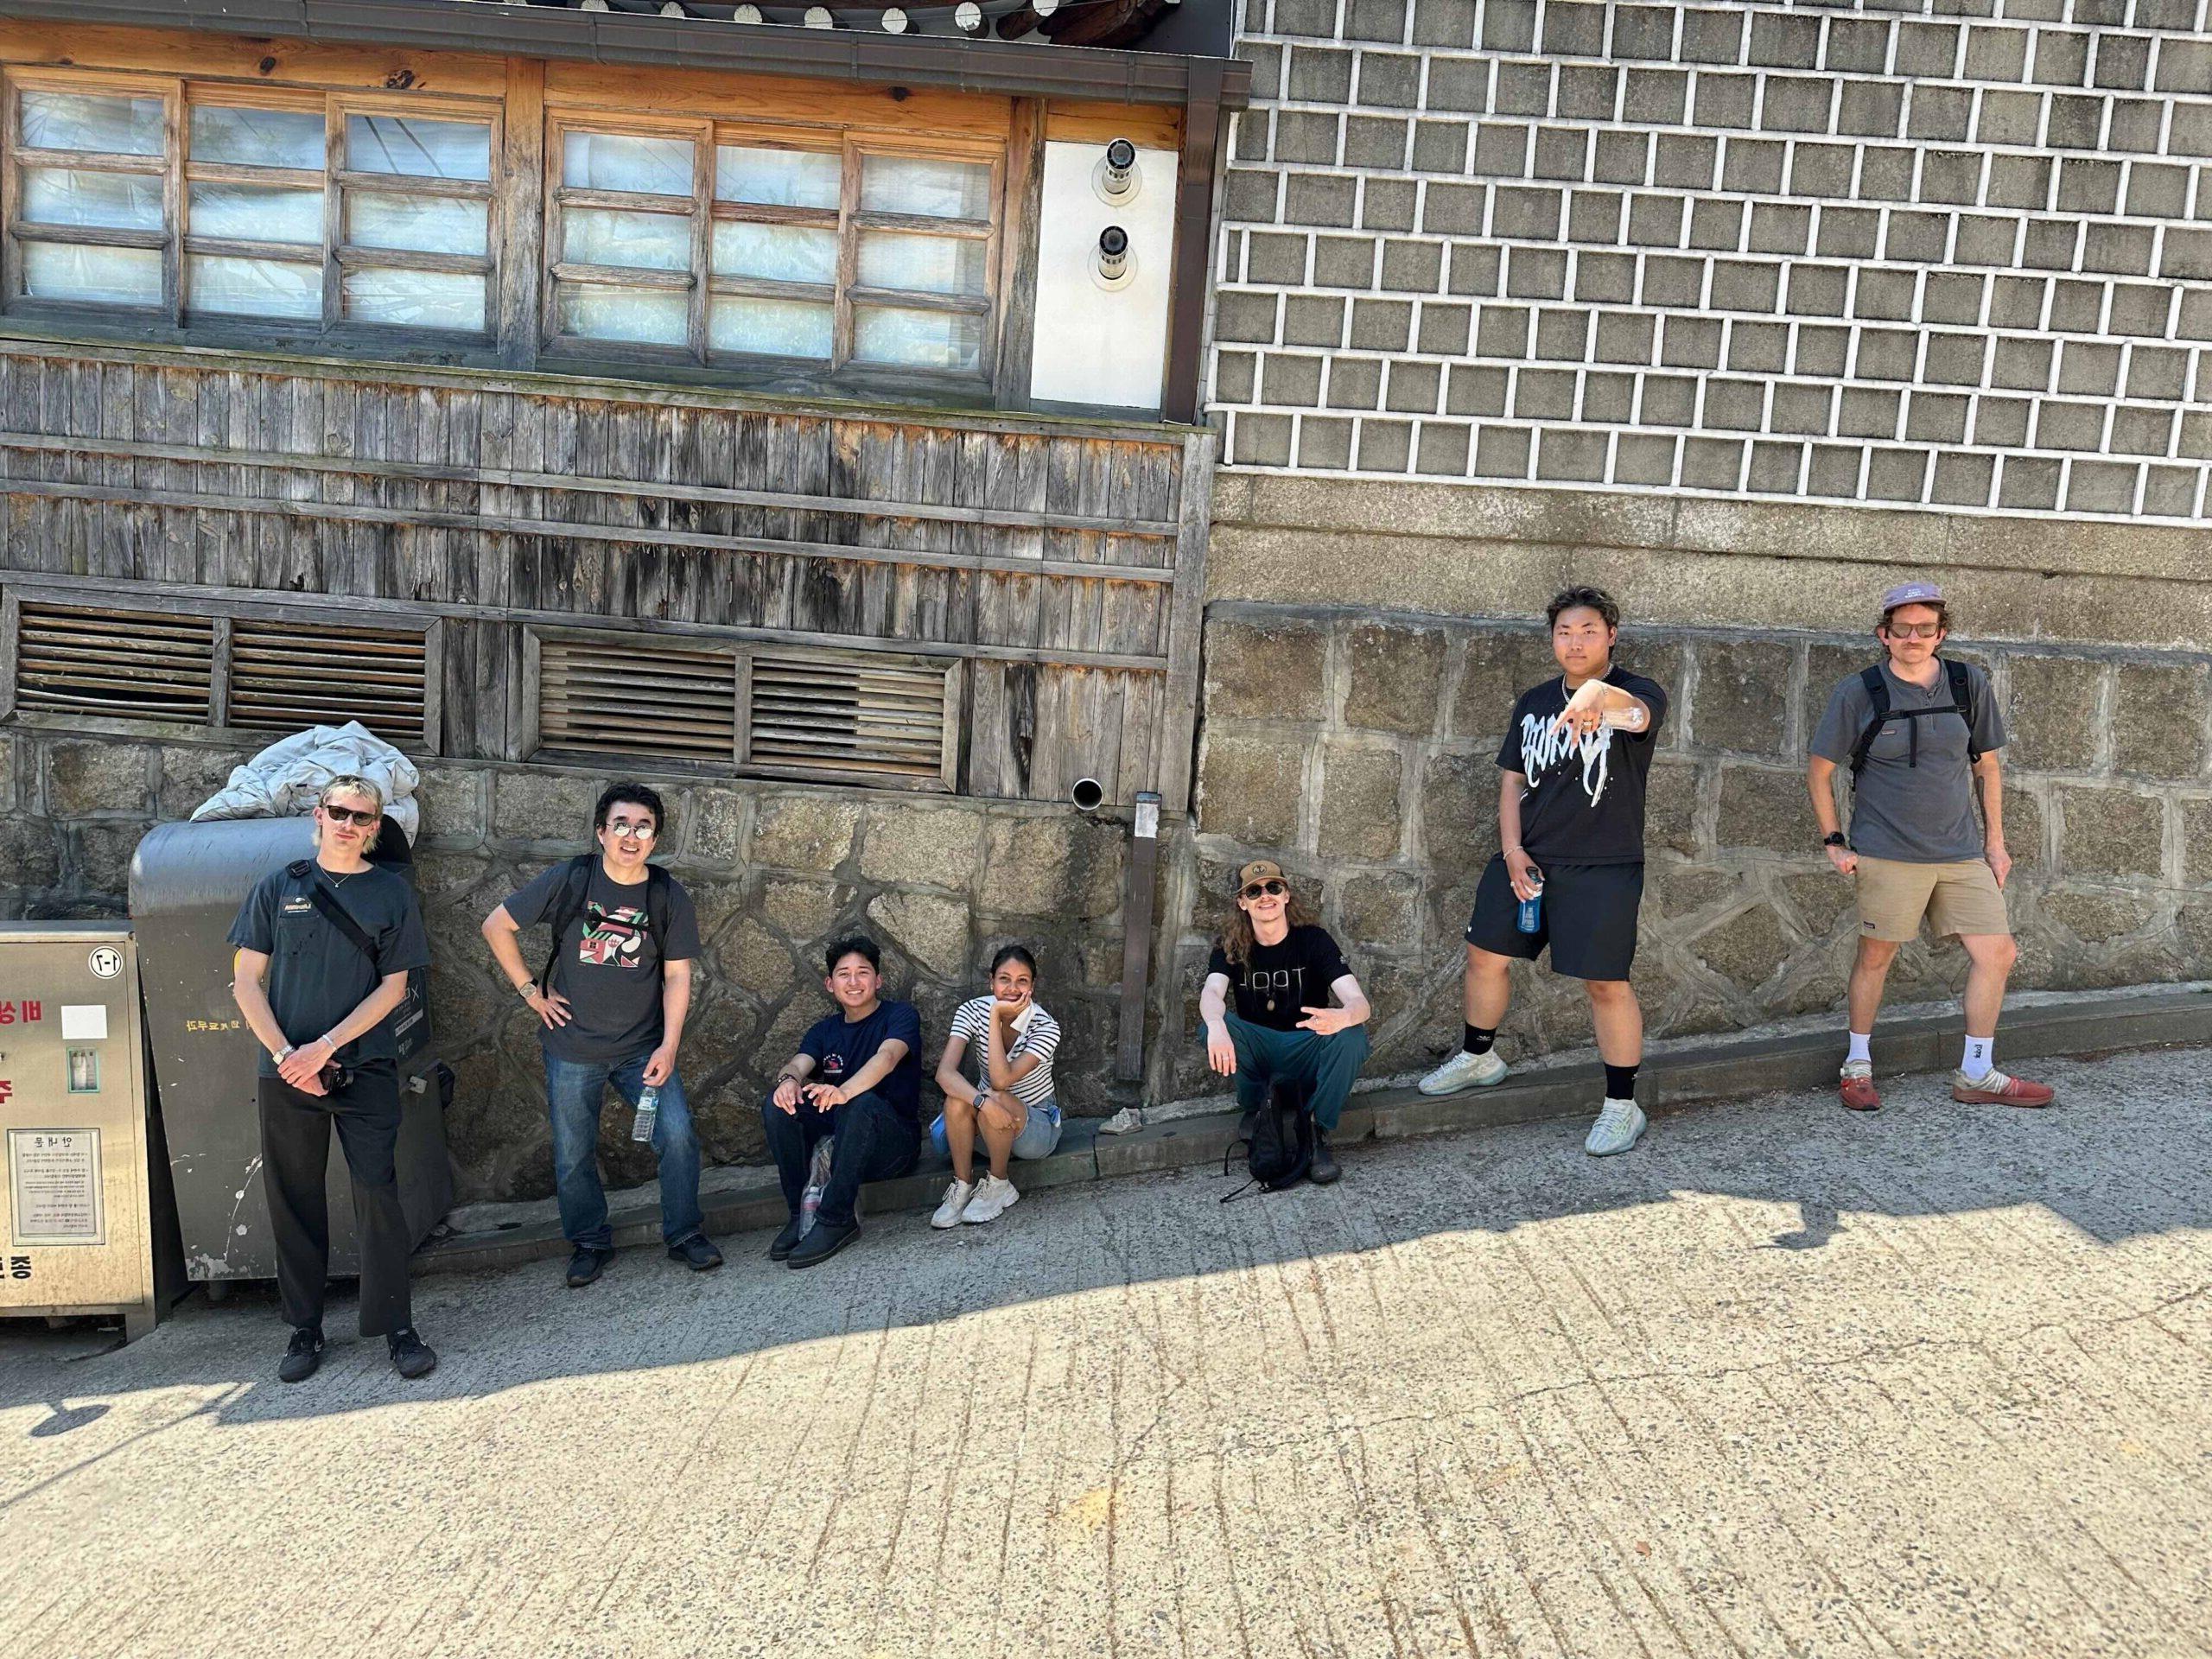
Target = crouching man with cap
(1283,967)
(1920,734)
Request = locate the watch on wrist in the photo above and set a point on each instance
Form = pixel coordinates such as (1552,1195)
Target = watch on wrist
(527,989)
(1834,838)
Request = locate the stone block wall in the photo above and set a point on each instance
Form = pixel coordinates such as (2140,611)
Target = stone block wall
(1951,253)
(1359,749)
(775,870)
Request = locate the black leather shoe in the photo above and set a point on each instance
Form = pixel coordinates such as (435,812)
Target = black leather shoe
(410,1356)
(698,1253)
(587,1264)
(785,1242)
(1323,1171)
(823,1240)
(303,1357)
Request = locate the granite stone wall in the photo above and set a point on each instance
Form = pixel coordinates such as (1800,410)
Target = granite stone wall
(1358,748)
(1952,253)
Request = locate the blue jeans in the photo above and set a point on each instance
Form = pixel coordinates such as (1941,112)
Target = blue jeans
(1328,1066)
(875,1143)
(575,1090)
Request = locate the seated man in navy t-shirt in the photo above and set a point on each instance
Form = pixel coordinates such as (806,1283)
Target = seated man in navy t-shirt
(858,1076)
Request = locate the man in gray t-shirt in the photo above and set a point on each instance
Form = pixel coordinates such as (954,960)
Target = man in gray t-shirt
(1920,737)
(611,1009)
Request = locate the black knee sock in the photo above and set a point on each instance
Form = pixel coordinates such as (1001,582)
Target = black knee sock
(1620,1082)
(1478,1040)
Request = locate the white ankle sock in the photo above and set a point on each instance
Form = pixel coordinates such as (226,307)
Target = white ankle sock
(1859,1049)
(1977,1064)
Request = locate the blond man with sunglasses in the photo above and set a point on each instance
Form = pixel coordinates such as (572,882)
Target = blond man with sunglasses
(324,950)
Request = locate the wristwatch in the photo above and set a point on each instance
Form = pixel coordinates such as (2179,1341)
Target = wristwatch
(527,989)
(1834,838)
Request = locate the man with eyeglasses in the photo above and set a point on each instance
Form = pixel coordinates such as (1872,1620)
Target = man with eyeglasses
(611,1006)
(1920,734)
(324,946)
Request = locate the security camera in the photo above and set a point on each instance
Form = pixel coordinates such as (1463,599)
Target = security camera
(1116,178)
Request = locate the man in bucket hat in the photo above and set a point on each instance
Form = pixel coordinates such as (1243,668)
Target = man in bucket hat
(1919,734)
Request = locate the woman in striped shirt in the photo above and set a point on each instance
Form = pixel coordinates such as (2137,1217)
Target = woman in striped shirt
(1011,1100)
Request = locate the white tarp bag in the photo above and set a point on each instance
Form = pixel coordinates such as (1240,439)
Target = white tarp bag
(284,779)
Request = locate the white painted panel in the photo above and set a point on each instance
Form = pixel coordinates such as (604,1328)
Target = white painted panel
(1096,346)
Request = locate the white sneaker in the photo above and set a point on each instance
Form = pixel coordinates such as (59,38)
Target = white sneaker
(1619,1126)
(993,1197)
(956,1197)
(1464,1071)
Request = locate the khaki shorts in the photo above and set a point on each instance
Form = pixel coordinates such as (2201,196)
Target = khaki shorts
(1960,898)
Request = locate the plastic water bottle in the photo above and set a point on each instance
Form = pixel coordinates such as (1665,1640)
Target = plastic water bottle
(648,1112)
(1531,917)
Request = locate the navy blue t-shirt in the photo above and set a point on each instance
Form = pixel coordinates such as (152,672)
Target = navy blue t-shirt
(841,1047)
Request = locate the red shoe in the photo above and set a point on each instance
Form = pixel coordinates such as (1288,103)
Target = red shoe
(1858,1088)
(1997,1089)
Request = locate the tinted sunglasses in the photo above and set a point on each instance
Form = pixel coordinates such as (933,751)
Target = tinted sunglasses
(349,814)
(1273,889)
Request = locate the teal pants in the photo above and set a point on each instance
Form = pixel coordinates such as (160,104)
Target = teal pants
(1325,1067)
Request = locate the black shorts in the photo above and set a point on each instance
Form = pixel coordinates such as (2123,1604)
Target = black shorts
(1589,918)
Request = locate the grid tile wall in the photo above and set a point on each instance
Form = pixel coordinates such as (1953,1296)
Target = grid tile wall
(1945,252)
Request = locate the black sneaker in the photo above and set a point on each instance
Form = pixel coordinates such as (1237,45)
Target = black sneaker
(1323,1171)
(410,1356)
(785,1242)
(303,1358)
(587,1264)
(698,1253)
(823,1240)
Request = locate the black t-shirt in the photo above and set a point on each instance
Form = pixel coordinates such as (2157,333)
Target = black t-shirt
(316,975)
(1277,983)
(841,1047)
(1583,802)
(608,964)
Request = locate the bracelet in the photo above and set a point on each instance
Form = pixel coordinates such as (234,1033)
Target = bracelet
(785,1077)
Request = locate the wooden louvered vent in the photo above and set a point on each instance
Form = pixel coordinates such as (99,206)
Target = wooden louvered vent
(133,665)
(832,712)
(627,695)
(287,675)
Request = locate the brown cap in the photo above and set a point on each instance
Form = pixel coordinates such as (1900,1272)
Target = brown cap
(1260,869)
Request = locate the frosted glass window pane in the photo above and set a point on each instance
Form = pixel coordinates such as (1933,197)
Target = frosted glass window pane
(782,178)
(781,253)
(111,126)
(919,339)
(620,161)
(423,149)
(252,287)
(54,270)
(907,184)
(602,236)
(928,265)
(768,327)
(417,299)
(55,195)
(259,137)
(438,224)
(656,316)
(256,213)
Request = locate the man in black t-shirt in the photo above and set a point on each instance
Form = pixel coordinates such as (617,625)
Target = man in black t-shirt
(1282,968)
(611,1010)
(1570,817)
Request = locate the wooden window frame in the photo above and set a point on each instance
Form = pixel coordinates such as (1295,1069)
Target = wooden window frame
(700,284)
(178,170)
(533,748)
(224,614)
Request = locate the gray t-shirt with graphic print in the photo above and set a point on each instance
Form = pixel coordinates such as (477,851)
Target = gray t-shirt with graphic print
(1917,809)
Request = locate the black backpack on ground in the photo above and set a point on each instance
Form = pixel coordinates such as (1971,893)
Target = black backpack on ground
(575,888)
(1878,693)
(1277,1143)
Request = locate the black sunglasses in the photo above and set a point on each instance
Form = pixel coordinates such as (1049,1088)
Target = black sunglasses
(349,814)
(1273,889)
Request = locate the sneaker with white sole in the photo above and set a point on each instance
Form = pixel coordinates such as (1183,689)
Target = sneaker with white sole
(1464,1071)
(956,1195)
(1619,1126)
(993,1197)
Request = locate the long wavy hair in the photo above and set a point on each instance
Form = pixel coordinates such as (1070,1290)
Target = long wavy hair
(1237,939)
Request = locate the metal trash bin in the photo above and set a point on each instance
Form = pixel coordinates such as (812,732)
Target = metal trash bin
(187,883)
(82,1217)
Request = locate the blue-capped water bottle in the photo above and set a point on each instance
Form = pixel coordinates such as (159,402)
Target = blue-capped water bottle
(1531,917)
(648,1112)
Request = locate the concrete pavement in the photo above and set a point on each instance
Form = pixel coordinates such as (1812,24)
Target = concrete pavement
(1785,1381)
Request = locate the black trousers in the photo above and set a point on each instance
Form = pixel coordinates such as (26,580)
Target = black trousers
(295,1156)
